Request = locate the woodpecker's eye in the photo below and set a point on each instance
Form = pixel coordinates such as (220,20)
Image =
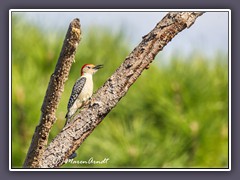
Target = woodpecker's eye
(88,67)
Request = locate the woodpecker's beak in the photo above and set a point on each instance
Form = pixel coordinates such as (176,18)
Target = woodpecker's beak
(98,67)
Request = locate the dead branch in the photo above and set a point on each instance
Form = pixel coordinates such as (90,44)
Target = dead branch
(53,95)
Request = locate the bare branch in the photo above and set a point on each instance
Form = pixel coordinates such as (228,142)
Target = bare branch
(53,95)
(107,97)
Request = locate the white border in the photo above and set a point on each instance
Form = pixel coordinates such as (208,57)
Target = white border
(229,88)
(10,90)
(121,10)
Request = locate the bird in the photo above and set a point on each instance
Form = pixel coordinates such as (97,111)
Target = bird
(82,90)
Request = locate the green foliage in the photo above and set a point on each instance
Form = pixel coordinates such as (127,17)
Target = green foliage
(174,116)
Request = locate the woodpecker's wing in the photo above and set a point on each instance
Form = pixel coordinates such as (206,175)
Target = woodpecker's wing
(77,88)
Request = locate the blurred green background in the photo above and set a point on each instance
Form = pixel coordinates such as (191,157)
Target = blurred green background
(174,116)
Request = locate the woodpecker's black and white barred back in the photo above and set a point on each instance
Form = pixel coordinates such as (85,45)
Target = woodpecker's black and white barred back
(77,88)
(76,91)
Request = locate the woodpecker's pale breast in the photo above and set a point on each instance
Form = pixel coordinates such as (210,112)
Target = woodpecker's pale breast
(87,90)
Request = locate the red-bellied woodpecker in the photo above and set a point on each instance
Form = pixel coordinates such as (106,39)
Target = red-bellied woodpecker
(82,90)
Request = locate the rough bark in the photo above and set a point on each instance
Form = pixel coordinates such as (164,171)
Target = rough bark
(107,97)
(53,95)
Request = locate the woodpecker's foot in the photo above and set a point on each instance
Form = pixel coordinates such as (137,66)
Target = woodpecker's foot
(96,102)
(99,103)
(73,155)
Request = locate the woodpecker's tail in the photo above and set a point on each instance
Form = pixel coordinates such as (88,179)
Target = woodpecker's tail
(68,117)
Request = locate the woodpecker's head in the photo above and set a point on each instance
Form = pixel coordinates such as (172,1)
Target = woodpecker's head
(90,69)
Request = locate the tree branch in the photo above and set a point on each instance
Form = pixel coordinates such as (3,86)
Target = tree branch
(107,97)
(53,95)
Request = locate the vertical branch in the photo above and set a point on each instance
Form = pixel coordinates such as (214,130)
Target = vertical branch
(53,95)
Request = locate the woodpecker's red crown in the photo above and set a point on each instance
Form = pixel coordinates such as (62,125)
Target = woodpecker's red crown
(85,65)
(90,68)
